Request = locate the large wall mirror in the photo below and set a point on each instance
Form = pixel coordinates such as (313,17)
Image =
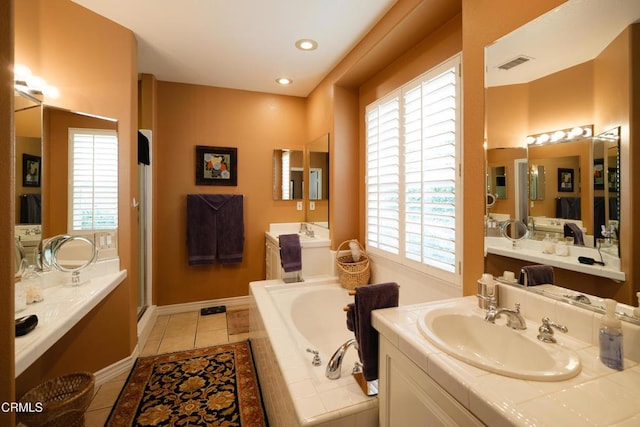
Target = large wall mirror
(66,176)
(318,179)
(569,68)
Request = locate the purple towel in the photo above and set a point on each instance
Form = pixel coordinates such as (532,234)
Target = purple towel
(215,228)
(532,275)
(572,230)
(368,298)
(290,252)
(351,318)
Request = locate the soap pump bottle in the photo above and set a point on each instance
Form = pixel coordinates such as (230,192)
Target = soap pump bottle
(611,337)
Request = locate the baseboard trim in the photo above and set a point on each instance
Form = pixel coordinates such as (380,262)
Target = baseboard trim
(196,306)
(114,370)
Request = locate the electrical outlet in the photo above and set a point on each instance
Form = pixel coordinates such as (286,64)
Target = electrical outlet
(312,206)
(299,206)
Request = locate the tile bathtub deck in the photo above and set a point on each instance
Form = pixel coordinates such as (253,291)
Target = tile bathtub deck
(175,332)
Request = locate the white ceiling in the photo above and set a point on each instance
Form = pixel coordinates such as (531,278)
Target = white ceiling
(242,44)
(573,33)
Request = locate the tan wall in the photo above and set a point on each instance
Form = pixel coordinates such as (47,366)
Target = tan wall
(255,123)
(73,49)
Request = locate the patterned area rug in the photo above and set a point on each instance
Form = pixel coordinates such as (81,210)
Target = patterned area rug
(214,386)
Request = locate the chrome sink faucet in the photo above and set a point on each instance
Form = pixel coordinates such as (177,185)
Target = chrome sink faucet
(514,318)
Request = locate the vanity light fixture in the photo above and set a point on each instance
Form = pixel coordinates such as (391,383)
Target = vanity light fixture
(306,44)
(284,81)
(24,81)
(563,135)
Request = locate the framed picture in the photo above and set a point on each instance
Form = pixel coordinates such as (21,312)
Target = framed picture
(565,180)
(613,180)
(31,170)
(598,174)
(216,165)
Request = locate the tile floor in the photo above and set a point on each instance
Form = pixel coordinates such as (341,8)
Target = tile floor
(170,333)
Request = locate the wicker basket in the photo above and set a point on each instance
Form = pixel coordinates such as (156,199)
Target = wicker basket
(65,400)
(352,273)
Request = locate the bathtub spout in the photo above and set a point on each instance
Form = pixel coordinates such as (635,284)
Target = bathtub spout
(335,363)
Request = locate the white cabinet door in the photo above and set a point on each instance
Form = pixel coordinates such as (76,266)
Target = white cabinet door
(409,397)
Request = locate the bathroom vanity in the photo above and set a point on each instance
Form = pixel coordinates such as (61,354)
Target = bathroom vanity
(315,245)
(421,384)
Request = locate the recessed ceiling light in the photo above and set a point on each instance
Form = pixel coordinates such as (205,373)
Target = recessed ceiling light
(306,44)
(284,81)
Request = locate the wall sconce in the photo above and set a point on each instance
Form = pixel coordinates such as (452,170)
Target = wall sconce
(25,82)
(563,135)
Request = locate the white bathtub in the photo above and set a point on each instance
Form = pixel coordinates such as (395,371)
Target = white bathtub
(286,320)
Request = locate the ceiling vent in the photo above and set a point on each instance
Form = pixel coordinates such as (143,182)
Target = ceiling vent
(514,62)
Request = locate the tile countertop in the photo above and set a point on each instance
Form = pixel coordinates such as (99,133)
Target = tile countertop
(597,396)
(63,306)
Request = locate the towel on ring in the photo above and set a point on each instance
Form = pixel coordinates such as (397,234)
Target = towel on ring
(532,275)
(367,299)
(572,230)
(290,252)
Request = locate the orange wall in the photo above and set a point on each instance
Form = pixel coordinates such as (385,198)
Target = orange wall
(7,219)
(255,123)
(73,49)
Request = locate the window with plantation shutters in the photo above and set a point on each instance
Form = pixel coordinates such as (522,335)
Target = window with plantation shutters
(93,179)
(412,179)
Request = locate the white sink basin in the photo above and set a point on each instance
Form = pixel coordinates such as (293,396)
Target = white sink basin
(496,348)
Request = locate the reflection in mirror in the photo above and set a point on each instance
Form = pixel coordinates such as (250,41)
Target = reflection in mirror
(318,173)
(80,173)
(606,190)
(512,163)
(498,181)
(558,87)
(288,174)
(537,182)
(28,167)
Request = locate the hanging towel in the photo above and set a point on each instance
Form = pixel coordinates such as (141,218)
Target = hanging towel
(368,298)
(351,318)
(290,252)
(572,230)
(568,207)
(143,149)
(215,228)
(30,209)
(532,275)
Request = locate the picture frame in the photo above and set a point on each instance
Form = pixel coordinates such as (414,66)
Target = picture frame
(565,180)
(31,170)
(598,174)
(216,165)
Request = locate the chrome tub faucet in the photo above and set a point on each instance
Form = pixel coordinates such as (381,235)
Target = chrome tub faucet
(335,363)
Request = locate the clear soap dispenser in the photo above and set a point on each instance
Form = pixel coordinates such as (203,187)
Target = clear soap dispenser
(548,247)
(611,337)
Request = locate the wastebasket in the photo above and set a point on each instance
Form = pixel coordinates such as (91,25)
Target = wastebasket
(64,401)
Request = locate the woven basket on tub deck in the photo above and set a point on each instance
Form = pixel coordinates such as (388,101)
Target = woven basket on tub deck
(352,273)
(62,398)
